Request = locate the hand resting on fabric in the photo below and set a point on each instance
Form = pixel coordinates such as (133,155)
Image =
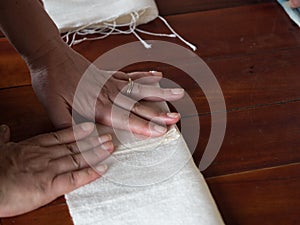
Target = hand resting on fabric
(36,171)
(55,79)
(56,69)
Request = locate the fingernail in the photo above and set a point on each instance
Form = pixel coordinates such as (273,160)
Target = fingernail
(173,115)
(159,129)
(105,138)
(101,168)
(156,73)
(87,126)
(177,91)
(107,146)
(3,128)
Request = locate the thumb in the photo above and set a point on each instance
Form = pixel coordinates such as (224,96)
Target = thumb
(4,134)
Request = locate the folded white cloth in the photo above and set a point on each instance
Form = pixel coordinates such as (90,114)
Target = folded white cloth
(73,14)
(149,182)
(79,18)
(172,192)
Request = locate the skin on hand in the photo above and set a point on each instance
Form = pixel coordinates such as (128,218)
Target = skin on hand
(36,171)
(294,3)
(55,79)
(56,70)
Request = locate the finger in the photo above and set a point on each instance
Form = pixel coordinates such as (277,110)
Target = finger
(122,119)
(88,143)
(151,77)
(67,182)
(4,134)
(82,160)
(65,136)
(148,112)
(140,77)
(152,93)
(294,3)
(58,151)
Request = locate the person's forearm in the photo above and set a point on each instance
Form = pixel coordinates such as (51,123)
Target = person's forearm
(28,27)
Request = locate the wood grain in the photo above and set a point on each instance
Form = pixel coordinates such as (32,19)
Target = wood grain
(255,138)
(263,28)
(246,80)
(13,70)
(21,110)
(256,197)
(171,7)
(51,214)
(253,51)
(268,197)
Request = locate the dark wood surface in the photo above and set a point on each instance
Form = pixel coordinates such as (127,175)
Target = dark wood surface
(254,52)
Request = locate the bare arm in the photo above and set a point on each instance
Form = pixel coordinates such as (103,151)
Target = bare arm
(56,70)
(28,27)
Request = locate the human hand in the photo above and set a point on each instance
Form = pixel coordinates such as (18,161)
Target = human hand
(36,171)
(55,78)
(295,3)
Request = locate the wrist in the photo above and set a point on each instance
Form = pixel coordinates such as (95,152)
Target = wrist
(51,53)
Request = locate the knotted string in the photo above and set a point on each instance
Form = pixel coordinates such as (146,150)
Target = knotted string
(106,29)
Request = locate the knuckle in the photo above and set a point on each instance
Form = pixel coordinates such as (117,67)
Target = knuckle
(75,160)
(129,117)
(44,184)
(57,137)
(72,179)
(137,107)
(72,148)
(165,92)
(138,89)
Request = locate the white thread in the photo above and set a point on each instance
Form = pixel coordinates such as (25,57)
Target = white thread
(177,35)
(113,28)
(142,41)
(155,34)
(133,27)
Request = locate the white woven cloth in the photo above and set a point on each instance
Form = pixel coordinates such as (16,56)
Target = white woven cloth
(79,18)
(72,14)
(149,182)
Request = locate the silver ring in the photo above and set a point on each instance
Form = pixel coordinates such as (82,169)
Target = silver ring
(130,86)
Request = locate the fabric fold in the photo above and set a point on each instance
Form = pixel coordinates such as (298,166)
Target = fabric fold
(150,182)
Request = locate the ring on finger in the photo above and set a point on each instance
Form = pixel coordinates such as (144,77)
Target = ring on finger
(130,86)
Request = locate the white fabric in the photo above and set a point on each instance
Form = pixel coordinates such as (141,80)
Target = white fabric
(149,182)
(72,14)
(79,18)
(294,14)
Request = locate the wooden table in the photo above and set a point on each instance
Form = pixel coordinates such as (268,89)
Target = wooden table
(254,51)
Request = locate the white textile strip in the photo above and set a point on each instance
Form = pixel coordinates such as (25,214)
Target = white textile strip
(294,14)
(79,18)
(149,182)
